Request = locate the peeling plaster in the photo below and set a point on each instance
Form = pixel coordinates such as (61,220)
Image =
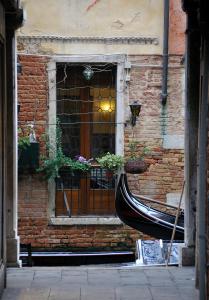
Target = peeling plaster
(128,19)
(92,4)
(118,24)
(136,17)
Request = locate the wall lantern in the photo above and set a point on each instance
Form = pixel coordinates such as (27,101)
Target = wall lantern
(88,73)
(18,107)
(19,68)
(135,108)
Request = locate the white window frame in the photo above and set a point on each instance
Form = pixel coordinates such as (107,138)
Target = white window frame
(119,60)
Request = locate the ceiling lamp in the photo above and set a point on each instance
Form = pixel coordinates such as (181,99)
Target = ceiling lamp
(88,73)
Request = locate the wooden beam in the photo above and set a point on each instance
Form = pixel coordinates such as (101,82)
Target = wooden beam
(155,201)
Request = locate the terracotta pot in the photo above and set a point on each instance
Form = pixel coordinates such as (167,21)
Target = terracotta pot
(135,166)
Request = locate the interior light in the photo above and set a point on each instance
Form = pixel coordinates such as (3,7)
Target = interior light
(105,107)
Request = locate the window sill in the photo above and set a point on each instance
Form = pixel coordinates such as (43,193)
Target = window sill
(85,221)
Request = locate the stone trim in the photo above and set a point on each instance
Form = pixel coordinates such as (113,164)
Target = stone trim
(174,198)
(120,99)
(93,40)
(2,277)
(85,221)
(173,141)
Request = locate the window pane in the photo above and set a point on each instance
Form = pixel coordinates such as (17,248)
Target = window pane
(86,110)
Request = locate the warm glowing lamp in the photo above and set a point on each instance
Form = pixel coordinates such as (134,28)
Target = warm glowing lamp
(135,108)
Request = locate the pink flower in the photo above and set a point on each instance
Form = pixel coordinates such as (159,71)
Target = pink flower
(82,159)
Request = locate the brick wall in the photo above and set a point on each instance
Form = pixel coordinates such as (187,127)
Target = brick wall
(177,28)
(164,175)
(33,94)
(155,123)
(35,228)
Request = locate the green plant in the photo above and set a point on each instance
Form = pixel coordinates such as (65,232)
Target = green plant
(56,159)
(23,139)
(134,163)
(110,161)
(136,151)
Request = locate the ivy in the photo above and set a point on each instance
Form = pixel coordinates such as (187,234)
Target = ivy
(55,160)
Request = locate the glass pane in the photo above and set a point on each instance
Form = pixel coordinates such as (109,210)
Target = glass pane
(68,113)
(102,179)
(68,180)
(103,127)
(86,110)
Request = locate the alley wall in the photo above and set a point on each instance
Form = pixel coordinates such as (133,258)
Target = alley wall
(133,29)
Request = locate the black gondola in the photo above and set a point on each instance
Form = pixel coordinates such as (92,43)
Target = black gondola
(141,217)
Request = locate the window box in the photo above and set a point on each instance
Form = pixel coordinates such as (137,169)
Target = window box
(137,166)
(28,160)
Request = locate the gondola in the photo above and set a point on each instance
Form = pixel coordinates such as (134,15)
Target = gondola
(143,218)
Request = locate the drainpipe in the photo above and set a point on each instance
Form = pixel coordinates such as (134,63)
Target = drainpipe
(202,171)
(164,93)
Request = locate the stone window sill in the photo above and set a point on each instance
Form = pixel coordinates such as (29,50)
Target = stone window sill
(85,221)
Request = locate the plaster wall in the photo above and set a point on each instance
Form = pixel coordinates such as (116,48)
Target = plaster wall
(118,18)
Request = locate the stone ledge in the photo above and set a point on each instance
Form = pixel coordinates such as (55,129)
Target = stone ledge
(187,256)
(173,141)
(13,244)
(94,39)
(85,221)
(174,198)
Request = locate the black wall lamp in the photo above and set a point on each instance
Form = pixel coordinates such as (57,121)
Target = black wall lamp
(135,108)
(18,107)
(19,68)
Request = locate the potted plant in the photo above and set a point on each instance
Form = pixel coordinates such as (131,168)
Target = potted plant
(110,162)
(28,152)
(55,161)
(23,142)
(135,163)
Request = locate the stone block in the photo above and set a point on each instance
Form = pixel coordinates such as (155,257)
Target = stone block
(186,256)
(173,142)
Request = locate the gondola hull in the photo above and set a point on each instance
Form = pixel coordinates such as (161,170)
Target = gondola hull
(148,220)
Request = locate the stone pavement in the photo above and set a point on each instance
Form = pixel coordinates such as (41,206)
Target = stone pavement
(106,282)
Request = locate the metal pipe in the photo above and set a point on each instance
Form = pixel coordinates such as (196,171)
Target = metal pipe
(175,225)
(202,171)
(164,93)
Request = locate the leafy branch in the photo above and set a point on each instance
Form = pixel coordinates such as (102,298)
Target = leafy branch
(55,159)
(23,139)
(110,161)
